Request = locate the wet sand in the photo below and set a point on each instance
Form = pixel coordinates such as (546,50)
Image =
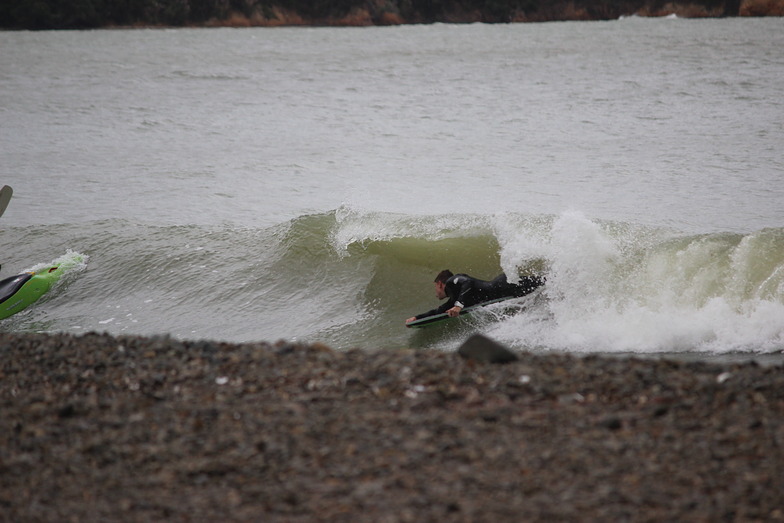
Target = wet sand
(129,429)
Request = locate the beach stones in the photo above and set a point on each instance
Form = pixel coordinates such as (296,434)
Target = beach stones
(295,432)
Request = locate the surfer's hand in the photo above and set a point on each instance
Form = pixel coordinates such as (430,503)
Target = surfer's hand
(454,311)
(410,320)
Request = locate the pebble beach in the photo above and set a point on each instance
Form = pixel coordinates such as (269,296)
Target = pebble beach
(104,428)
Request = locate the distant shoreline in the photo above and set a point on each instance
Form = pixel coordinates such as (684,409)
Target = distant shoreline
(103,14)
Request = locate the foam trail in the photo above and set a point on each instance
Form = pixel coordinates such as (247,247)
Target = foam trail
(69,261)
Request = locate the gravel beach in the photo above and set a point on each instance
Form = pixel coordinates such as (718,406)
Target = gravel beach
(98,427)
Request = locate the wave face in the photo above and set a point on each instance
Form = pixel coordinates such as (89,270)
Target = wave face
(349,278)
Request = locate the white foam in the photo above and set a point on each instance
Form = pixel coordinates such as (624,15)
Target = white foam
(694,294)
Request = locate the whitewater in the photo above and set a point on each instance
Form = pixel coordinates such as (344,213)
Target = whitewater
(307,184)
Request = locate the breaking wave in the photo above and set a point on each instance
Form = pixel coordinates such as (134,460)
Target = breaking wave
(349,278)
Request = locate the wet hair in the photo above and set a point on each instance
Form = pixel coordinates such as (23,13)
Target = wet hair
(443,276)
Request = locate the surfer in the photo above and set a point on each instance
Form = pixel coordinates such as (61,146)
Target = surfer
(464,291)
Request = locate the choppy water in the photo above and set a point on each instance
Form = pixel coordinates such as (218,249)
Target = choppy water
(308,183)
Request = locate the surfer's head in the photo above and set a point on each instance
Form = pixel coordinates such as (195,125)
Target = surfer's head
(440,283)
(443,276)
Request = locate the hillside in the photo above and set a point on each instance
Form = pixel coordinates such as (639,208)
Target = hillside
(90,14)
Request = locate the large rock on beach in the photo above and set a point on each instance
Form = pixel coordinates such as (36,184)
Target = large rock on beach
(103,428)
(481,348)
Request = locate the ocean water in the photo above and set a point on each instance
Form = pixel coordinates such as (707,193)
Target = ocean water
(306,184)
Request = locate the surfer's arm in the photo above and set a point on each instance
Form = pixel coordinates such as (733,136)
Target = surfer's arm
(444,307)
(464,293)
(454,311)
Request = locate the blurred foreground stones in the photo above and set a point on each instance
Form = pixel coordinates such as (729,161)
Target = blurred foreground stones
(128,428)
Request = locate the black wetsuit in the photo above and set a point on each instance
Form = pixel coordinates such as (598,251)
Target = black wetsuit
(463,290)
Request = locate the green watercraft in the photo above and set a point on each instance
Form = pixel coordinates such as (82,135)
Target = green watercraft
(19,292)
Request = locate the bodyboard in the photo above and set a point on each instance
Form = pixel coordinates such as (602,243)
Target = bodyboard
(437,318)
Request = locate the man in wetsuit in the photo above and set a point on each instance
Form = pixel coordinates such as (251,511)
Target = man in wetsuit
(464,291)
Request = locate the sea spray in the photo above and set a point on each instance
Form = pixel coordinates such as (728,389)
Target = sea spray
(711,293)
(71,264)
